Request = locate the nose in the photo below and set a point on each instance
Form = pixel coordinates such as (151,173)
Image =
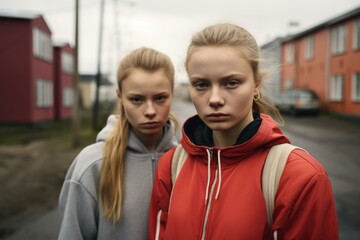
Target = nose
(216,100)
(150,111)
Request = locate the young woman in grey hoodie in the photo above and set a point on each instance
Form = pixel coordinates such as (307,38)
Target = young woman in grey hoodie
(106,192)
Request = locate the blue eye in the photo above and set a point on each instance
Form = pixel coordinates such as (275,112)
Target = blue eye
(200,85)
(231,84)
(136,100)
(160,99)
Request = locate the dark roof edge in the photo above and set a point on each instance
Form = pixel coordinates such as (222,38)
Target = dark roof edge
(350,14)
(19,15)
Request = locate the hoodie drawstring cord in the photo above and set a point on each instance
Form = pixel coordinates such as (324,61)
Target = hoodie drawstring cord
(208,177)
(219,169)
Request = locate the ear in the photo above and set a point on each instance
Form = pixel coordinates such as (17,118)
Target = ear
(257,91)
(118,93)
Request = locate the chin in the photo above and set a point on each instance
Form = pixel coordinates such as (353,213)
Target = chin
(152,131)
(218,126)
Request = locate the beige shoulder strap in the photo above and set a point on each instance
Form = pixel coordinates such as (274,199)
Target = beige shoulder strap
(177,162)
(273,169)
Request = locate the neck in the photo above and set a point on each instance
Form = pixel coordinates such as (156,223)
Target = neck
(151,141)
(224,139)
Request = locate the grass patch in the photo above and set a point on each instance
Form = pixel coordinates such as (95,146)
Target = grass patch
(58,131)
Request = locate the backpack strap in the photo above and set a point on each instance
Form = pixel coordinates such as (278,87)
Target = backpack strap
(177,162)
(274,166)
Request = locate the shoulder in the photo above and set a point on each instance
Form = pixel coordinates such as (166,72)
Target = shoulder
(302,170)
(87,163)
(164,164)
(301,161)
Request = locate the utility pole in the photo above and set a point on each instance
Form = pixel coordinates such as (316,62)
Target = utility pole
(98,75)
(75,110)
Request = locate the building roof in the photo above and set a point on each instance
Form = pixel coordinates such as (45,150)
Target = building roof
(333,21)
(92,78)
(61,44)
(18,15)
(272,43)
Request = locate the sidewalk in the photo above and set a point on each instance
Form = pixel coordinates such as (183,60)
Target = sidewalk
(45,227)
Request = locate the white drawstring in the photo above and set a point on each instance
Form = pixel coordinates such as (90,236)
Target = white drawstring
(208,177)
(219,169)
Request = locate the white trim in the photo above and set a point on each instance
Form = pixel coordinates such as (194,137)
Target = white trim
(275,235)
(157,233)
(209,205)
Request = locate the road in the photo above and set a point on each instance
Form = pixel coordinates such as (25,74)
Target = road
(335,143)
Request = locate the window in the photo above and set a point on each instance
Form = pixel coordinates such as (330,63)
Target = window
(44,93)
(309,49)
(356,34)
(67,62)
(290,53)
(289,84)
(338,35)
(42,45)
(67,97)
(337,85)
(355,86)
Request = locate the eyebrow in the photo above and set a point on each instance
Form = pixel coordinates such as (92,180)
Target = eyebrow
(227,77)
(134,94)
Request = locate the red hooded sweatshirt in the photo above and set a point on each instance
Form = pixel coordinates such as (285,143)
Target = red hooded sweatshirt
(217,194)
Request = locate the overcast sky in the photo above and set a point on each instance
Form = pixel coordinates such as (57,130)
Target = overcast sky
(167,25)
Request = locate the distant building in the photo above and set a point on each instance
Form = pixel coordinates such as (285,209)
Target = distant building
(36,78)
(63,81)
(326,59)
(87,86)
(271,62)
(26,69)
(181,91)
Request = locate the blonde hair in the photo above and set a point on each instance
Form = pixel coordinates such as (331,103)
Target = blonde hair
(230,35)
(111,185)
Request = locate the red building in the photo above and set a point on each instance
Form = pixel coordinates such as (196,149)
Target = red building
(63,81)
(34,86)
(326,59)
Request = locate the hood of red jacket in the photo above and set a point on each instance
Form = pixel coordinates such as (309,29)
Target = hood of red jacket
(266,134)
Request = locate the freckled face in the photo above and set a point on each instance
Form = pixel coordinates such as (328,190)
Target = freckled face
(222,88)
(146,98)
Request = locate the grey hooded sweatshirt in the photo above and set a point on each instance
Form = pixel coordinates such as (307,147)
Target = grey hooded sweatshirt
(82,216)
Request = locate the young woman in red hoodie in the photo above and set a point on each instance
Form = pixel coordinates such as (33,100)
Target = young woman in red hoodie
(218,192)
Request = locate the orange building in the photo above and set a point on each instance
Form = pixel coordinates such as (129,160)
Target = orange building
(326,59)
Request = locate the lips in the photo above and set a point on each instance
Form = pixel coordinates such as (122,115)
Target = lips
(217,117)
(150,125)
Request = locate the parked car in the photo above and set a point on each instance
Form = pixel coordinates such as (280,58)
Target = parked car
(299,101)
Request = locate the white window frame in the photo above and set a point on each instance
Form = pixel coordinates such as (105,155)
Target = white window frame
(309,48)
(356,34)
(68,97)
(337,88)
(67,62)
(290,53)
(355,87)
(338,39)
(42,45)
(44,92)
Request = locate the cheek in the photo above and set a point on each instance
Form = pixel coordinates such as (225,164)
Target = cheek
(195,98)
(131,113)
(164,111)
